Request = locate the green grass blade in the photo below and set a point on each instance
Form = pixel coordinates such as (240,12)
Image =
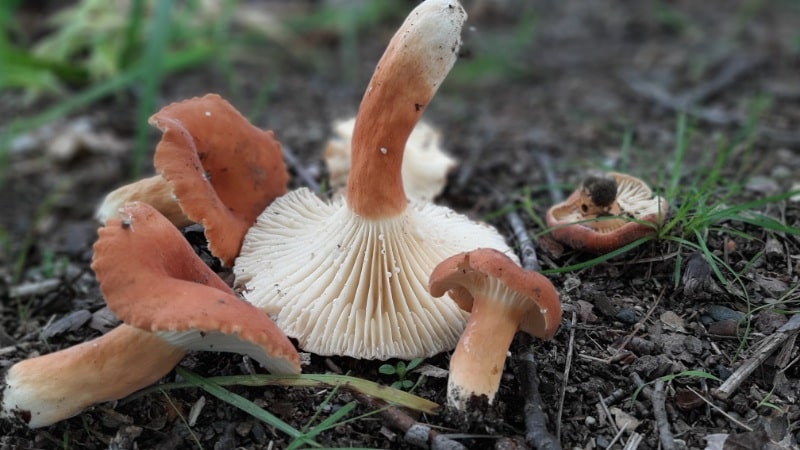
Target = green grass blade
(242,403)
(366,387)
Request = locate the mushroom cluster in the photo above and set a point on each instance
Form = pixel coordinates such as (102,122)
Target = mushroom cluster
(606,213)
(169,302)
(349,276)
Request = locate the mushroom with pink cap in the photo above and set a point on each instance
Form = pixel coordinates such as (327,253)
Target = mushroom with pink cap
(169,302)
(214,168)
(349,276)
(503,298)
(606,213)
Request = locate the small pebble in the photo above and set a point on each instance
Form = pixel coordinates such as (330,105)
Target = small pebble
(589,421)
(724,372)
(719,313)
(626,316)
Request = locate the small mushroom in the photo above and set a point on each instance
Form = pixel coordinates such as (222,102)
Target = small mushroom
(425,164)
(215,168)
(348,277)
(169,302)
(606,213)
(503,298)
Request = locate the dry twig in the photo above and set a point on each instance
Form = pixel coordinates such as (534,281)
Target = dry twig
(536,434)
(760,354)
(658,399)
(294,163)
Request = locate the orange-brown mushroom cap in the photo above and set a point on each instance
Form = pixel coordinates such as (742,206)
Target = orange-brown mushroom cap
(223,170)
(503,298)
(636,214)
(152,280)
(214,168)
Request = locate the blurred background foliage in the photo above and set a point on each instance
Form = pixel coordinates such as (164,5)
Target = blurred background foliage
(61,57)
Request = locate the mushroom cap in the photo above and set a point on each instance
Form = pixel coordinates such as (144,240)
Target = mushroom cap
(635,203)
(152,280)
(346,285)
(425,163)
(489,274)
(223,170)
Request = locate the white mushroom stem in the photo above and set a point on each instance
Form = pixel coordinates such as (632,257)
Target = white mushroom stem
(477,362)
(154,191)
(408,75)
(43,390)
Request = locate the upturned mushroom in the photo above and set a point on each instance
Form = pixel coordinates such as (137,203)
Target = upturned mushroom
(169,301)
(503,298)
(349,276)
(606,213)
(214,168)
(425,163)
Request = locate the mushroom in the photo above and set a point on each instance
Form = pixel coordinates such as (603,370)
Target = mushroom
(215,168)
(348,276)
(503,298)
(606,213)
(169,302)
(425,164)
(43,390)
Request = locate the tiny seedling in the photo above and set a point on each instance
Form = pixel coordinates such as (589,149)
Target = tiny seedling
(401,370)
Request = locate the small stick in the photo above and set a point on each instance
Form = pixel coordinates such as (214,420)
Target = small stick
(658,399)
(615,396)
(552,185)
(633,442)
(294,162)
(618,435)
(415,433)
(526,248)
(719,410)
(536,434)
(767,346)
(567,366)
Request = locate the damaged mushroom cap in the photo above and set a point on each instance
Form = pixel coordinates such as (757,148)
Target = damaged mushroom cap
(152,280)
(635,213)
(221,170)
(349,277)
(46,389)
(503,298)
(425,163)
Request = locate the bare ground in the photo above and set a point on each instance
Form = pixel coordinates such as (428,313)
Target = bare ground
(589,73)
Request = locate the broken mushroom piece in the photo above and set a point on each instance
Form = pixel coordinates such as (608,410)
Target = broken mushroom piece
(43,390)
(503,298)
(606,213)
(215,169)
(169,302)
(425,164)
(348,277)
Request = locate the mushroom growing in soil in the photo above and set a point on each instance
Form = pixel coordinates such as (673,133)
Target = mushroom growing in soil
(503,298)
(425,164)
(169,302)
(215,169)
(606,213)
(349,276)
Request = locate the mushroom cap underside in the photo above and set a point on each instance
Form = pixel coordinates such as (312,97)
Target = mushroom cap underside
(152,280)
(345,285)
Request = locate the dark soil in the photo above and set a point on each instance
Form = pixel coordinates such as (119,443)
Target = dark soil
(568,92)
